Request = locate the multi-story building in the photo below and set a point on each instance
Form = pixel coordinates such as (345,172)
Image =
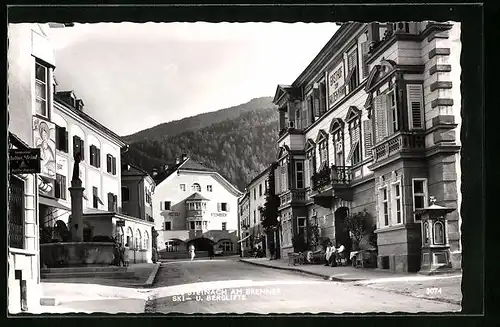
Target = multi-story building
(100,170)
(137,190)
(30,85)
(257,189)
(372,124)
(244,222)
(194,204)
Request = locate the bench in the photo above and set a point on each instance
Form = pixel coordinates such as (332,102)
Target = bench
(294,258)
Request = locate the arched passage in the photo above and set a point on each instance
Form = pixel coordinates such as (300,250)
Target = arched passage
(341,230)
(201,244)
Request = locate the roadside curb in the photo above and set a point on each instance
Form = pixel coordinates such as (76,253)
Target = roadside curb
(326,277)
(152,276)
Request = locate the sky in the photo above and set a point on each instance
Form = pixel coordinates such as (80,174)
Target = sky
(135,76)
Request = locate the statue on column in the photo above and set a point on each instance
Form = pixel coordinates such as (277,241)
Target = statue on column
(76,167)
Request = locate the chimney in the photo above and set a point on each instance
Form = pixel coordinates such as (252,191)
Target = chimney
(79,104)
(177,161)
(184,156)
(155,172)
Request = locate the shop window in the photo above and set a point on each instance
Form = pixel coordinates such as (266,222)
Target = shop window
(16,213)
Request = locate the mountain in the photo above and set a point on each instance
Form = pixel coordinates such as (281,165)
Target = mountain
(199,121)
(238,142)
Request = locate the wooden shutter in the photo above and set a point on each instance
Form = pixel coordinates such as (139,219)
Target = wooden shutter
(82,148)
(115,202)
(110,201)
(380,104)
(306,173)
(415,105)
(66,143)
(316,103)
(218,206)
(76,145)
(304,116)
(113,164)
(108,163)
(92,155)
(364,57)
(227,207)
(368,138)
(98,154)
(277,186)
(322,101)
(310,114)
(161,205)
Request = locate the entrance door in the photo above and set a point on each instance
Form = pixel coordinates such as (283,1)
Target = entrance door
(341,230)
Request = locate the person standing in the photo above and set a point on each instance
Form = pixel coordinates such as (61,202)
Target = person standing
(126,251)
(121,255)
(191,252)
(211,251)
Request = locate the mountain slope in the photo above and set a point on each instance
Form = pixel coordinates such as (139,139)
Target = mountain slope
(199,121)
(238,148)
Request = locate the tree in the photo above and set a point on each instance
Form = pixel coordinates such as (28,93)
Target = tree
(269,212)
(359,224)
(313,235)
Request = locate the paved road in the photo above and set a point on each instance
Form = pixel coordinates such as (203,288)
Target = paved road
(230,286)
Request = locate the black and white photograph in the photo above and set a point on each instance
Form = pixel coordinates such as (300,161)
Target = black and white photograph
(235,167)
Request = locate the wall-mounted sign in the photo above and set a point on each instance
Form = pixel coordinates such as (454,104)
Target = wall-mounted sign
(61,165)
(174,213)
(336,85)
(24,161)
(120,223)
(44,138)
(219,214)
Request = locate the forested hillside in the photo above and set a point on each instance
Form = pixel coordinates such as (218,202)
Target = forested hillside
(238,148)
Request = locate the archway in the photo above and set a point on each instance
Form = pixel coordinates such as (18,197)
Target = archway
(341,230)
(201,244)
(174,245)
(129,239)
(226,245)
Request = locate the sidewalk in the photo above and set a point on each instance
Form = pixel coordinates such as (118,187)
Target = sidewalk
(445,288)
(89,295)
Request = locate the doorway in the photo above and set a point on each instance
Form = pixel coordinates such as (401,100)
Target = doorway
(341,230)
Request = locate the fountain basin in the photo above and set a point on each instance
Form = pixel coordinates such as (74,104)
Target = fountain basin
(76,254)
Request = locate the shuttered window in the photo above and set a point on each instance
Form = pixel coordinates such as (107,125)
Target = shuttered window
(415,106)
(355,153)
(380,107)
(316,103)
(61,139)
(392,112)
(78,147)
(352,69)
(322,98)
(298,119)
(368,142)
(364,58)
(303,115)
(277,180)
(113,164)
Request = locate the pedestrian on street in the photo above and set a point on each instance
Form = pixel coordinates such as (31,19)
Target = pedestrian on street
(126,251)
(271,250)
(211,251)
(330,254)
(191,252)
(121,255)
(116,254)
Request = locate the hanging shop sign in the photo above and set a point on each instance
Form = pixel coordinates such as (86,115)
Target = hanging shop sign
(336,85)
(24,161)
(120,223)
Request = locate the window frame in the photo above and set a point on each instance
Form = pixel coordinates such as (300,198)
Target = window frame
(300,172)
(22,212)
(393,125)
(169,224)
(338,146)
(167,204)
(424,194)
(444,242)
(385,218)
(62,192)
(196,187)
(209,188)
(303,227)
(323,152)
(395,198)
(125,198)
(224,226)
(182,187)
(46,85)
(223,207)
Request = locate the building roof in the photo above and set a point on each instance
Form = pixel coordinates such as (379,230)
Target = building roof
(162,175)
(196,196)
(190,164)
(262,173)
(59,99)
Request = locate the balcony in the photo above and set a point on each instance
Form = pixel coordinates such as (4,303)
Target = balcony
(195,213)
(406,144)
(293,197)
(330,182)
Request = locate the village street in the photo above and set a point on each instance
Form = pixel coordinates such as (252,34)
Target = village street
(231,286)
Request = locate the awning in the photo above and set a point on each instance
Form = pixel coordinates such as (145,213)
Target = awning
(244,238)
(52,203)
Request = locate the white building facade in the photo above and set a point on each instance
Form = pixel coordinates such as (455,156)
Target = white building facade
(194,202)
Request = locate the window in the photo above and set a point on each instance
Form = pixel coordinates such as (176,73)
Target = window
(255,194)
(148,196)
(95,156)
(385,206)
(419,193)
(197,225)
(146,240)
(196,187)
(299,174)
(41,89)
(61,139)
(95,197)
(254,217)
(125,194)
(354,131)
(386,114)
(301,225)
(112,202)
(78,146)
(191,225)
(168,225)
(183,187)
(415,106)
(309,167)
(138,239)
(260,189)
(224,206)
(439,233)
(110,164)
(339,147)
(322,98)
(323,152)
(396,190)
(209,188)
(266,187)
(224,224)
(165,205)
(352,69)
(205,224)
(60,187)
(16,213)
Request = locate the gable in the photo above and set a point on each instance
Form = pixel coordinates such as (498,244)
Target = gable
(336,124)
(284,151)
(378,72)
(352,113)
(310,145)
(280,91)
(321,136)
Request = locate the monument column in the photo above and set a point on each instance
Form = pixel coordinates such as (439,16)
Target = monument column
(76,191)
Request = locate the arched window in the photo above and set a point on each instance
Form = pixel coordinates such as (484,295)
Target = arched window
(138,240)
(226,246)
(196,187)
(146,240)
(438,233)
(119,234)
(129,239)
(426,233)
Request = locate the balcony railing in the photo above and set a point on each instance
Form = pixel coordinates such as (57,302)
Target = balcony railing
(334,176)
(198,213)
(292,196)
(401,142)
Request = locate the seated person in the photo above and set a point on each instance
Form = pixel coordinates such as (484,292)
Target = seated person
(330,257)
(341,253)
